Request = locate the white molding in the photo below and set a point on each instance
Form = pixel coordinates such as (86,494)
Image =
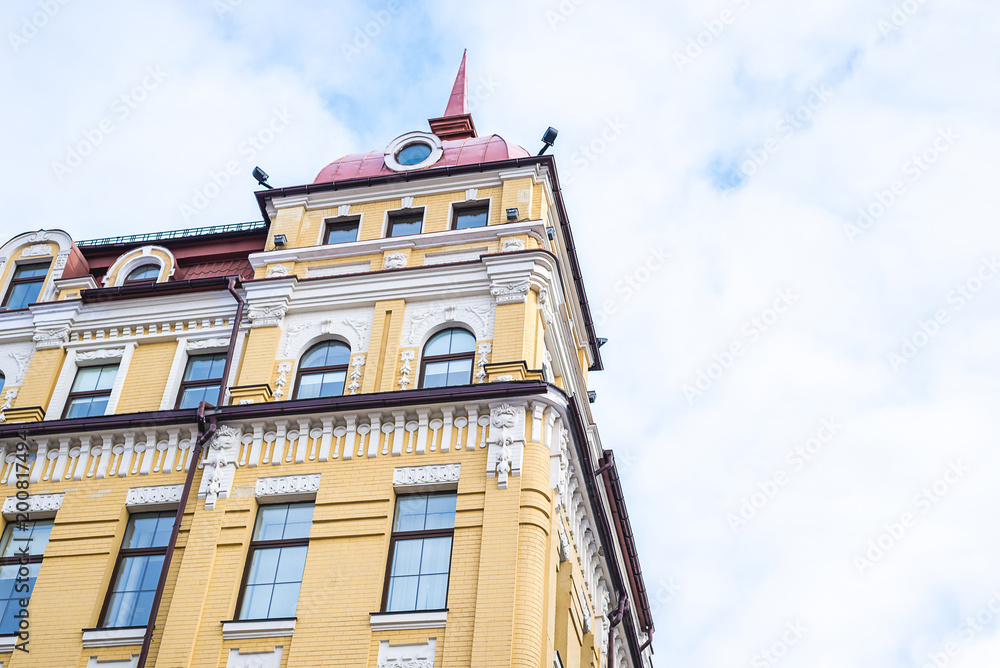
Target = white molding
(7,644)
(251,659)
(430,478)
(409,655)
(76,283)
(373,246)
(61,391)
(426,138)
(136,257)
(401,621)
(113,637)
(288,488)
(94,662)
(257,628)
(37,504)
(156,497)
(116,390)
(339,269)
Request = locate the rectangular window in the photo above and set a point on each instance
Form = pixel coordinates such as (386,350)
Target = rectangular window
(26,284)
(402,224)
(202,380)
(91,391)
(470,216)
(342,231)
(420,553)
(22,546)
(137,571)
(277,559)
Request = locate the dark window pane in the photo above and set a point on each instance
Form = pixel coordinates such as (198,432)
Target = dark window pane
(413,154)
(466,218)
(31,535)
(33,270)
(205,367)
(192,396)
(403,225)
(339,233)
(146,272)
(87,407)
(330,353)
(23,294)
(90,378)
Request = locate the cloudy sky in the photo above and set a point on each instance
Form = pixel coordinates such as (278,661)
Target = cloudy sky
(802,395)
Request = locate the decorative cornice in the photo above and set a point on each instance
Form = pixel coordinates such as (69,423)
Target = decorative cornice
(53,337)
(36,503)
(207,343)
(422,476)
(287,485)
(37,250)
(266,316)
(157,495)
(510,293)
(102,354)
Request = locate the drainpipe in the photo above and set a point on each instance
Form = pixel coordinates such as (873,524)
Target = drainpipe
(614,619)
(204,433)
(232,339)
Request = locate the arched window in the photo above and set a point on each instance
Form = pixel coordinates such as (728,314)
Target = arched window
(3,381)
(144,272)
(322,371)
(448,358)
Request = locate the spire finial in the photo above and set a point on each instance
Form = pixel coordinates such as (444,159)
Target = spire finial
(457,121)
(458,103)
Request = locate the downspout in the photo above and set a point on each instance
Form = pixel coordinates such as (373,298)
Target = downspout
(204,434)
(614,619)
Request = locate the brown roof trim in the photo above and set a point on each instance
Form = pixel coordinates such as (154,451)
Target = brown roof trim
(403,177)
(144,289)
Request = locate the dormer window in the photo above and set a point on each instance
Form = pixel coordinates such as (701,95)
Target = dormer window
(414,150)
(144,272)
(340,231)
(405,223)
(26,285)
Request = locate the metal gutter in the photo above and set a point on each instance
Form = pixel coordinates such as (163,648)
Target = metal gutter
(150,289)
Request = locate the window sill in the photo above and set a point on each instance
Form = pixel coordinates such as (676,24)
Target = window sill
(7,643)
(127,635)
(401,621)
(257,628)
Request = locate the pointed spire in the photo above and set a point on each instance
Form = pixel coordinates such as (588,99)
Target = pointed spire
(458,103)
(457,121)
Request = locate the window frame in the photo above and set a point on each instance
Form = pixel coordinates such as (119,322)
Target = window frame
(301,371)
(395,536)
(15,281)
(20,560)
(399,216)
(124,552)
(270,544)
(340,221)
(424,359)
(469,205)
(132,281)
(186,384)
(89,393)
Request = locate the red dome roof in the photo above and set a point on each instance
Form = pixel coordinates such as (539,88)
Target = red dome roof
(456,152)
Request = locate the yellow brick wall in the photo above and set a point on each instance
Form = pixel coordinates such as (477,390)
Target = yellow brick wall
(147,377)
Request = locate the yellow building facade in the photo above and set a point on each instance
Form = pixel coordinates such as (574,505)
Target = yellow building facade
(354,434)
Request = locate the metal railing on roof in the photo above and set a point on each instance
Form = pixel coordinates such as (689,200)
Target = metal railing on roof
(175,234)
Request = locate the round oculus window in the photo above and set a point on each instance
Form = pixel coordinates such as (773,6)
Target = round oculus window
(413,154)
